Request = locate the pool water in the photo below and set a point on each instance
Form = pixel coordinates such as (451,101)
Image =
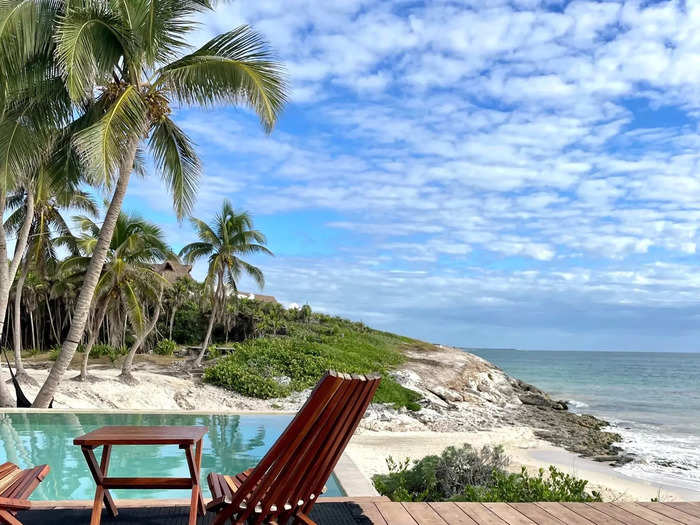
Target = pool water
(234,443)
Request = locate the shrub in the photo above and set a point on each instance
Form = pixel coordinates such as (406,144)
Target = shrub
(104,350)
(213,352)
(549,485)
(54,353)
(165,347)
(438,478)
(464,474)
(242,380)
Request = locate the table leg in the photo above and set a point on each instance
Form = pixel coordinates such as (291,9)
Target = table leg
(196,489)
(198,464)
(98,473)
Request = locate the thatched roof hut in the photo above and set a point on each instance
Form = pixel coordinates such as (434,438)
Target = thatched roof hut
(173,270)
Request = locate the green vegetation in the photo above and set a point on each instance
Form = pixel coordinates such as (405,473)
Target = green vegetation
(465,474)
(297,347)
(165,347)
(112,352)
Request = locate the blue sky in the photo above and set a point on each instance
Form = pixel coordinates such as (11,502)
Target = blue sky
(513,174)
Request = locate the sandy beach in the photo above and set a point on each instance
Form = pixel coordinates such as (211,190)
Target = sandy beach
(522,446)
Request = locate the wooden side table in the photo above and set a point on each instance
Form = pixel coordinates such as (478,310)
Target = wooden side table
(187,438)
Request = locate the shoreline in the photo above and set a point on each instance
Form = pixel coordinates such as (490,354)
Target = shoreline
(473,402)
(524,449)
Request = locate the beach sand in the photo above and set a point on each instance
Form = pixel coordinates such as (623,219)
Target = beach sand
(368,450)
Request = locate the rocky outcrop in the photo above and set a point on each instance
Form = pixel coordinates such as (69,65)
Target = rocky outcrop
(463,392)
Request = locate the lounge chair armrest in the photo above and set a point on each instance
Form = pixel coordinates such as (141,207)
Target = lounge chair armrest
(15,504)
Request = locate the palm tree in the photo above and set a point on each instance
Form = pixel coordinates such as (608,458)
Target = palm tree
(230,236)
(127,53)
(34,102)
(128,279)
(50,196)
(177,294)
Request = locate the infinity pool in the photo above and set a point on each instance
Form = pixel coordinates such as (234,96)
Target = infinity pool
(234,443)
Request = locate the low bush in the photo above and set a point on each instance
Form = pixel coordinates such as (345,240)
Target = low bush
(276,365)
(213,352)
(439,478)
(104,350)
(548,485)
(165,347)
(464,474)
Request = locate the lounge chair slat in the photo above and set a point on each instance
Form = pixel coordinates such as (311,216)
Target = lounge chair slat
(286,482)
(16,486)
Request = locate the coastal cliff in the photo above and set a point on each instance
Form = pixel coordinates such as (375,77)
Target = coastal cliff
(463,392)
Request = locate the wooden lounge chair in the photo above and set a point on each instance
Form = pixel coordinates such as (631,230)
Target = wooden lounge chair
(288,480)
(16,485)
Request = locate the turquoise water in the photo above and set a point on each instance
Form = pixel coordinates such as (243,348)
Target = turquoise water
(651,399)
(233,444)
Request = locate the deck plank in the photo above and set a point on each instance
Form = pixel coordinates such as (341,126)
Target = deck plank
(537,514)
(684,507)
(592,514)
(424,514)
(675,514)
(395,513)
(452,514)
(480,514)
(619,514)
(647,514)
(508,514)
(564,514)
(369,510)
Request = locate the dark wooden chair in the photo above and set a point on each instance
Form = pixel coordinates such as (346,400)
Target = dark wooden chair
(16,485)
(288,480)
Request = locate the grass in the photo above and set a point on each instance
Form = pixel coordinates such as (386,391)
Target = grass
(255,366)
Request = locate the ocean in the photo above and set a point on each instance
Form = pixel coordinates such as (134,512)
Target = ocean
(651,399)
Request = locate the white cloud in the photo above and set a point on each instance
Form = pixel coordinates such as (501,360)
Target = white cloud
(444,134)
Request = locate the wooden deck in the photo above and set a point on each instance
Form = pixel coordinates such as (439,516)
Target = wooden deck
(389,513)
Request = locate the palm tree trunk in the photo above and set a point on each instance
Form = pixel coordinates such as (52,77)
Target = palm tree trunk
(87,291)
(33,331)
(53,326)
(207,337)
(16,318)
(171,322)
(126,374)
(8,270)
(94,333)
(212,317)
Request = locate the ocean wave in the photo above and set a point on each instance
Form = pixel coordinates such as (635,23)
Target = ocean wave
(577,404)
(659,457)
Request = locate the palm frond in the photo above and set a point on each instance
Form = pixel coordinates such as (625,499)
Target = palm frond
(90,41)
(25,33)
(103,144)
(15,220)
(133,306)
(195,251)
(255,272)
(235,67)
(21,149)
(177,160)
(163,24)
